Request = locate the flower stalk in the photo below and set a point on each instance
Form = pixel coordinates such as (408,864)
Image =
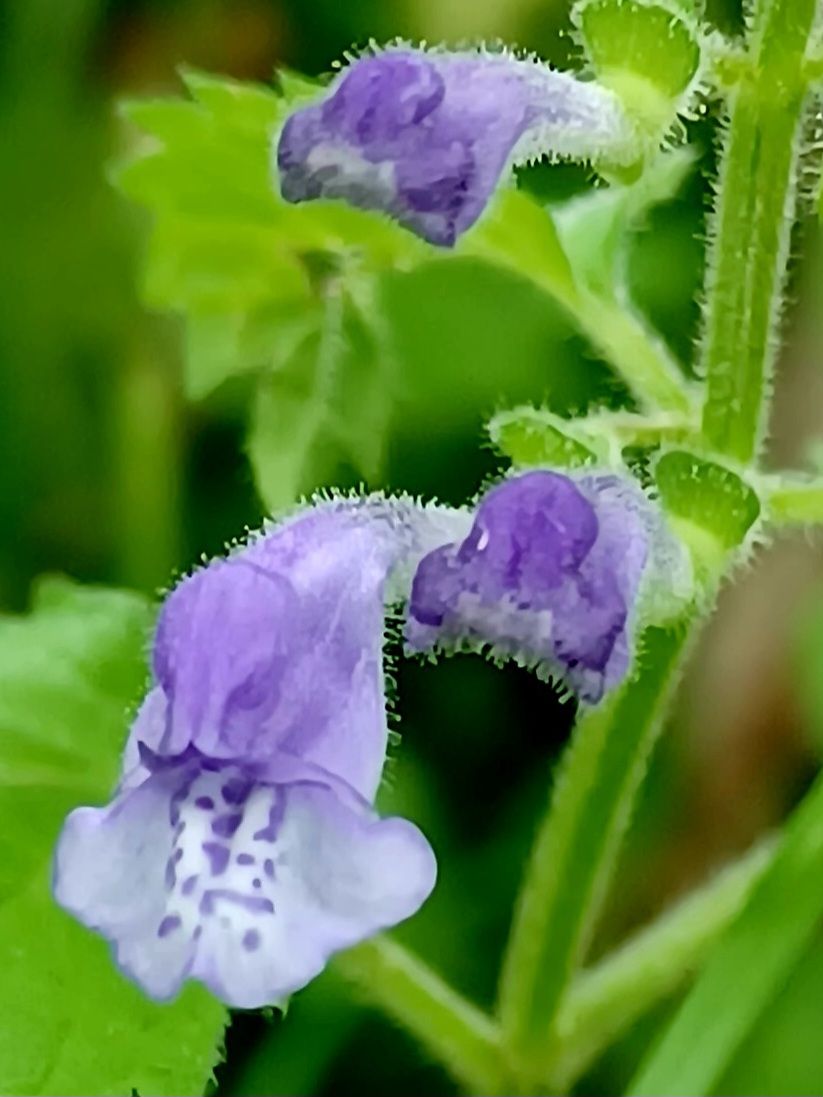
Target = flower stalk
(457,1034)
(575,851)
(605,1000)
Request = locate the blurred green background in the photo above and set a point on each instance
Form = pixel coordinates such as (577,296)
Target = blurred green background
(108,475)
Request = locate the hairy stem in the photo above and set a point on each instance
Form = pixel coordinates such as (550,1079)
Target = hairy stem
(461,1038)
(527,242)
(575,852)
(752,227)
(795,502)
(637,353)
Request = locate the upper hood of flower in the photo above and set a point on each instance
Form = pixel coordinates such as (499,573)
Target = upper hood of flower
(551,574)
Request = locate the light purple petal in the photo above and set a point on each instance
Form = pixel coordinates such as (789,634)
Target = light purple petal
(279,646)
(550,575)
(654,560)
(147,730)
(425,137)
(205,871)
(221,651)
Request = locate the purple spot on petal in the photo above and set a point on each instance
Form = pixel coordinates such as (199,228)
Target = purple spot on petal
(256,882)
(179,797)
(268,868)
(170,874)
(254,904)
(251,940)
(205,802)
(189,884)
(169,924)
(245,859)
(218,857)
(236,790)
(268,833)
(225,826)
(198,930)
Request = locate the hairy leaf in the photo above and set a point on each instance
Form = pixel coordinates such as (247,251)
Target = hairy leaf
(325,403)
(225,250)
(70,672)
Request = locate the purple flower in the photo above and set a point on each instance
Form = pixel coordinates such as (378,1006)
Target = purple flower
(425,137)
(550,574)
(241,848)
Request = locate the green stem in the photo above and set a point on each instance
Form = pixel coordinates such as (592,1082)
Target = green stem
(639,355)
(464,1040)
(813,69)
(607,999)
(798,502)
(521,236)
(575,852)
(652,431)
(752,227)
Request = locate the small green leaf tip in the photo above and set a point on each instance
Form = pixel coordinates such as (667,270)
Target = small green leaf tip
(709,505)
(648,51)
(535,437)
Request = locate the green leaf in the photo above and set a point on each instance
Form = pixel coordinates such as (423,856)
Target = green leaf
(710,506)
(235,102)
(225,267)
(295,87)
(69,672)
(221,276)
(325,403)
(783,1053)
(219,344)
(202,164)
(752,963)
(531,436)
(534,436)
(225,249)
(518,233)
(607,999)
(72,1024)
(575,246)
(648,51)
(595,227)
